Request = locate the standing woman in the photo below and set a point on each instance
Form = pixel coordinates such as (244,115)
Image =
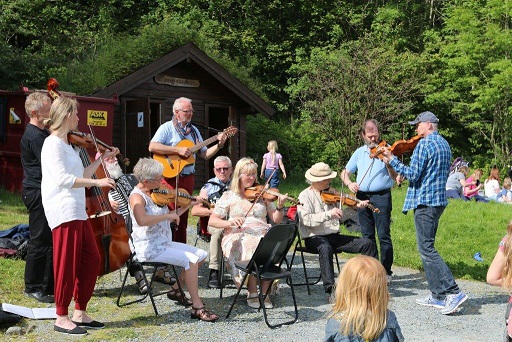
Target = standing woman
(272,162)
(75,254)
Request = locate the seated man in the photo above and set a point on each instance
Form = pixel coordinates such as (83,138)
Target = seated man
(319,224)
(212,191)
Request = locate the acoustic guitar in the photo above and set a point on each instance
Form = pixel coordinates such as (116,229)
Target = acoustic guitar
(174,164)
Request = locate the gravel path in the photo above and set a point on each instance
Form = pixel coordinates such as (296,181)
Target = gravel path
(481,317)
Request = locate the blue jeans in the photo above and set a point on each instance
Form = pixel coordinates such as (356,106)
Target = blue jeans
(439,277)
(381,221)
(274,181)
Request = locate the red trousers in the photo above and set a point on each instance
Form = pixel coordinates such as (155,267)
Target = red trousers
(76,262)
(187,183)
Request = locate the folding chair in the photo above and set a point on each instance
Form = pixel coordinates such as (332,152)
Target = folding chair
(300,247)
(266,264)
(150,289)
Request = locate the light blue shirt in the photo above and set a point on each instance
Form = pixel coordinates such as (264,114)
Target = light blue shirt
(376,176)
(168,135)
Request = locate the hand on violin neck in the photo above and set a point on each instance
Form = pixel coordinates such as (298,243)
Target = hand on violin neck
(363,204)
(110,154)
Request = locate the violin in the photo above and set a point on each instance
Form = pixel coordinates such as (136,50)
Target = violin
(166,195)
(351,201)
(269,195)
(87,141)
(399,148)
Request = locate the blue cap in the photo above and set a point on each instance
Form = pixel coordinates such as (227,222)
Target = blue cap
(425,117)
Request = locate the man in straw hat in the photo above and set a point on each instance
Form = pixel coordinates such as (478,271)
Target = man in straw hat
(320,224)
(426,196)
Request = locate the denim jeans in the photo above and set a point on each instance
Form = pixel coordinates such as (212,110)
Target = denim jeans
(380,222)
(439,277)
(274,181)
(327,245)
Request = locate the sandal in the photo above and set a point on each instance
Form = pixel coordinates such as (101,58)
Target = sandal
(203,314)
(178,296)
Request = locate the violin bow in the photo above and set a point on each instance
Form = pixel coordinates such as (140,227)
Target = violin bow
(257,197)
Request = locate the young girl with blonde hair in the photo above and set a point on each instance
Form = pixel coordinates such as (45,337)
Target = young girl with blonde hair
(500,271)
(360,312)
(272,162)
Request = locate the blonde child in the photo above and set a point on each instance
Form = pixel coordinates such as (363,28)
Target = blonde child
(272,162)
(360,312)
(473,186)
(505,195)
(500,271)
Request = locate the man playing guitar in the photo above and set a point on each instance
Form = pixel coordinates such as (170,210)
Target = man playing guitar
(165,142)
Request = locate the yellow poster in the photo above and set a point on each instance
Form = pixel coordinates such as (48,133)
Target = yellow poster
(13,117)
(97,118)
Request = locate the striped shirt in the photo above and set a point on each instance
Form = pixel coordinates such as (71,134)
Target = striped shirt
(427,172)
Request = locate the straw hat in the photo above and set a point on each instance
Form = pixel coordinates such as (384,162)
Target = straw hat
(320,172)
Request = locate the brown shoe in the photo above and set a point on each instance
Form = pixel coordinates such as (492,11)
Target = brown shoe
(178,296)
(203,314)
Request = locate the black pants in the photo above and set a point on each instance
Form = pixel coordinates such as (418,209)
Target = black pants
(39,261)
(327,245)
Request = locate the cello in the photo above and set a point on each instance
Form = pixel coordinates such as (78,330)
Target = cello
(109,228)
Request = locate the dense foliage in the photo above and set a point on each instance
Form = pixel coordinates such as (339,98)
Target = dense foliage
(324,65)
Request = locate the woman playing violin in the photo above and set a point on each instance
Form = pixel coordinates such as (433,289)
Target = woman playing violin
(152,237)
(244,223)
(320,224)
(75,254)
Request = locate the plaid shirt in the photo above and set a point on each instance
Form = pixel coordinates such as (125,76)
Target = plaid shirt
(427,172)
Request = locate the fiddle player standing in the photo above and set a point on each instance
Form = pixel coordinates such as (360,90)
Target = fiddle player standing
(39,261)
(164,142)
(212,191)
(320,224)
(75,255)
(374,182)
(426,196)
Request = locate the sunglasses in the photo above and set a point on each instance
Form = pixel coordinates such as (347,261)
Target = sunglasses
(219,169)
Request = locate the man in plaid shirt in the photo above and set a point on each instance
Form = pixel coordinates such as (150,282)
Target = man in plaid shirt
(427,174)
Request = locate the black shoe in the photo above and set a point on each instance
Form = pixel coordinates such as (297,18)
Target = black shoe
(90,325)
(76,331)
(141,282)
(40,296)
(213,279)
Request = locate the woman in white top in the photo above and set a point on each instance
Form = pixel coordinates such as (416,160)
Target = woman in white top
(152,237)
(75,254)
(492,184)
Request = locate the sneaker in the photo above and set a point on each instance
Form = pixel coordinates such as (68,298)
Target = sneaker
(268,304)
(213,279)
(253,301)
(163,276)
(430,301)
(453,302)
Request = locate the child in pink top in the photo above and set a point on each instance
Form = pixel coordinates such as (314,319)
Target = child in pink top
(272,162)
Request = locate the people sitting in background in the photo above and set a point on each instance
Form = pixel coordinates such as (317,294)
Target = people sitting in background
(456,182)
(500,272)
(320,224)
(492,184)
(244,222)
(473,186)
(360,311)
(505,195)
(212,191)
(152,238)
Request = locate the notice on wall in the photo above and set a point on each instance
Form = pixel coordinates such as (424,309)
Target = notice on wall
(13,117)
(97,118)
(140,119)
(176,81)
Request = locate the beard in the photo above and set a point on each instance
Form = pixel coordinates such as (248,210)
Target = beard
(114,170)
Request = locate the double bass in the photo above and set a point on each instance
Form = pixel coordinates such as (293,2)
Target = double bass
(109,227)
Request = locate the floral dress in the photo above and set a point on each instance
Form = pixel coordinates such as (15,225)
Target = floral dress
(240,243)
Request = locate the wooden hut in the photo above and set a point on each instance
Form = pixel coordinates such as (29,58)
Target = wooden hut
(147,95)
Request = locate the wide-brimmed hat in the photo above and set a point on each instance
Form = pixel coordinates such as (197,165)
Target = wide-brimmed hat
(425,117)
(319,172)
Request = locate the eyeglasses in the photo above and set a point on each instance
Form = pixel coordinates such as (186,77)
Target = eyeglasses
(155,180)
(253,175)
(191,111)
(219,169)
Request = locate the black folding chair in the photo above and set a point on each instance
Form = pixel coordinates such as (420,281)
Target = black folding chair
(151,292)
(266,264)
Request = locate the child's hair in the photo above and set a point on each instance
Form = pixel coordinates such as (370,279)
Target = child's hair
(478,173)
(506,274)
(507,183)
(494,174)
(362,298)
(272,148)
(464,170)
